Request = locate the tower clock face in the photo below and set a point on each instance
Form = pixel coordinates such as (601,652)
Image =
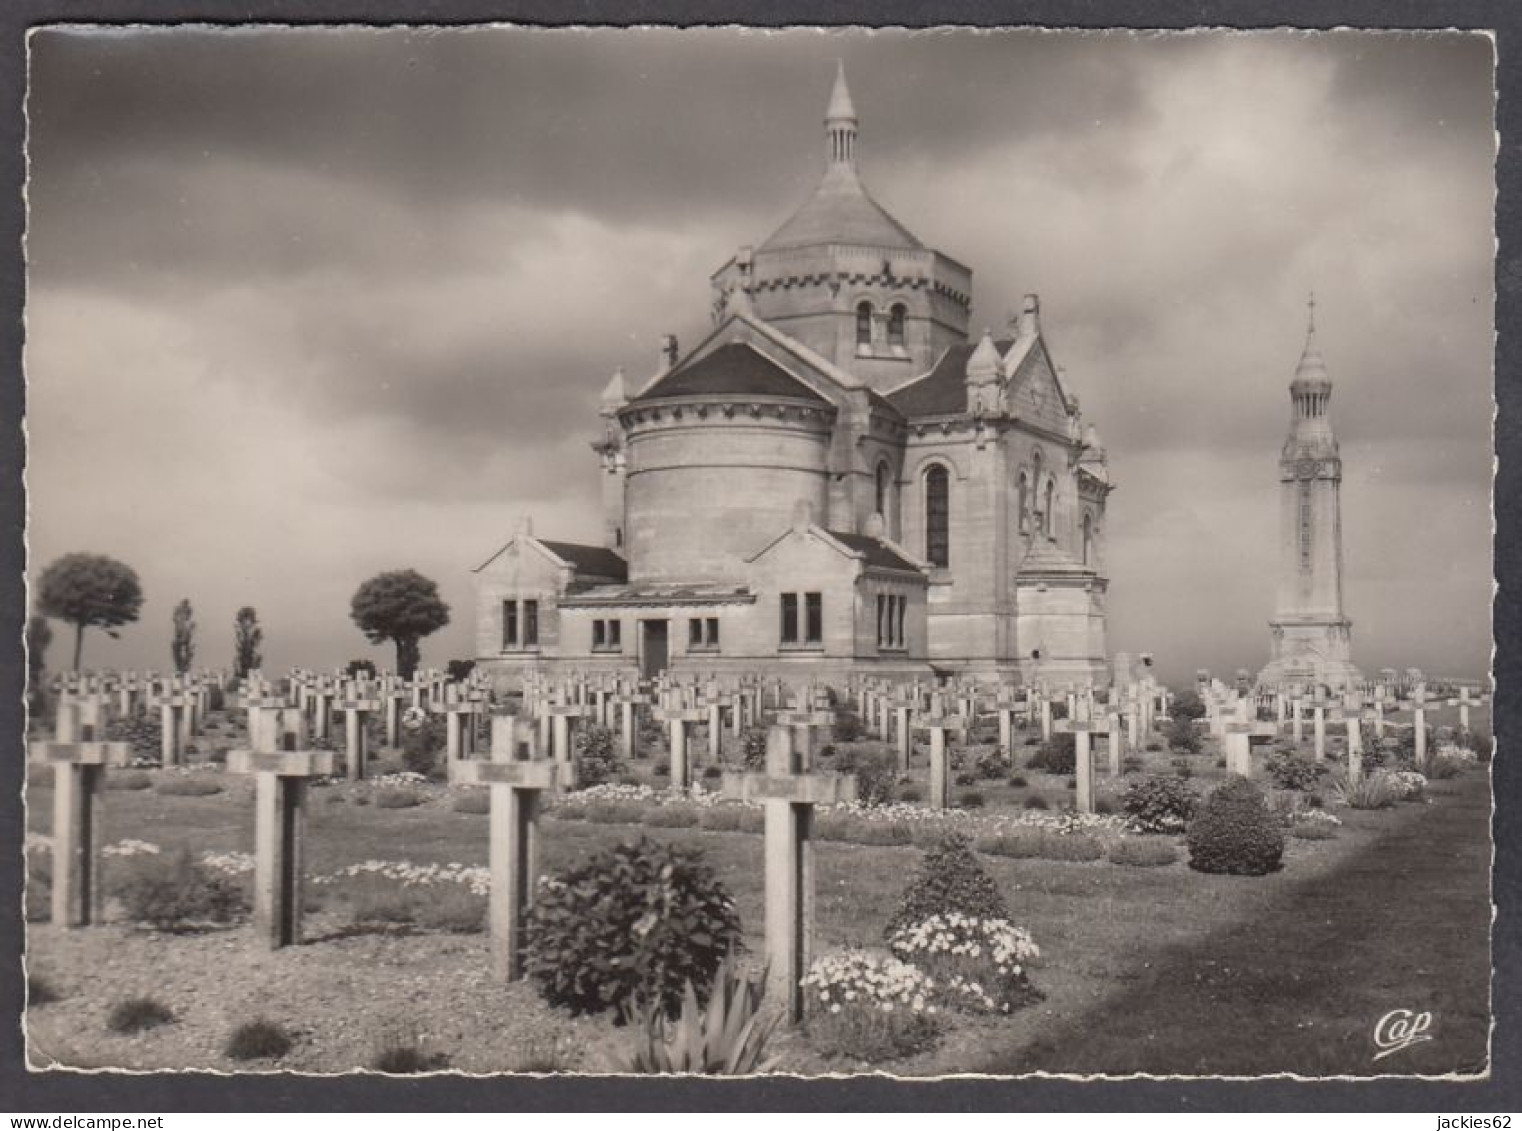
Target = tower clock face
(1307,468)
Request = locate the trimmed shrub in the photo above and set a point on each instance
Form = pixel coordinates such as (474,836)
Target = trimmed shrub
(259,1039)
(1289,770)
(1160,804)
(1139,852)
(178,893)
(1182,737)
(876,770)
(1235,832)
(1036,801)
(597,756)
(636,921)
(1057,756)
(949,879)
(189,785)
(1444,767)
(661,768)
(910,793)
(137,1014)
(712,773)
(476,801)
(1018,781)
(848,726)
(971,799)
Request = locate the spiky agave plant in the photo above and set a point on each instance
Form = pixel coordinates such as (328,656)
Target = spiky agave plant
(727,1038)
(1376,791)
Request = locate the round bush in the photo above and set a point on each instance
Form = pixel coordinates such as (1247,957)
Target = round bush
(1235,832)
(636,921)
(597,756)
(1160,804)
(1059,756)
(949,879)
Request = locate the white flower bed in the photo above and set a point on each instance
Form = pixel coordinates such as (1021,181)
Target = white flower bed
(130,848)
(408,874)
(862,979)
(977,963)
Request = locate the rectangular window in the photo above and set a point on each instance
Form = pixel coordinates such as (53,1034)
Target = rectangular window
(882,621)
(814,604)
(789,618)
(703,634)
(711,636)
(605,636)
(898,622)
(531,624)
(616,635)
(695,633)
(509,624)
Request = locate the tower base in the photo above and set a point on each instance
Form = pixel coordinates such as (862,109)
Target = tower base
(1311,653)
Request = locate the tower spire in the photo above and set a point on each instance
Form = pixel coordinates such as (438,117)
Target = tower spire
(840,123)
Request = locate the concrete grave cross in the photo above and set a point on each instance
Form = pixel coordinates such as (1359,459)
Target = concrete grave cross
(1418,709)
(1081,728)
(281,770)
(679,722)
(804,719)
(79,756)
(940,770)
(174,722)
(518,779)
(1320,705)
(789,794)
(1464,701)
(563,718)
(628,702)
(1006,705)
(1238,735)
(357,706)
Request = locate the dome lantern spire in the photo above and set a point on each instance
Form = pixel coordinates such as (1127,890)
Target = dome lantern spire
(840,123)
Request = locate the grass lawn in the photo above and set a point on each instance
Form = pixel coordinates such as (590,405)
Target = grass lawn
(1159,970)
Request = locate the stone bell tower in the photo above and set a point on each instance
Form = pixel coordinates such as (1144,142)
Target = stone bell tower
(1312,638)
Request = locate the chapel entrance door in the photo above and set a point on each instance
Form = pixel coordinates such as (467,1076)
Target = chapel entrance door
(654,648)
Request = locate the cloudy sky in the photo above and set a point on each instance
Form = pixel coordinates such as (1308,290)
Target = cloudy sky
(309,304)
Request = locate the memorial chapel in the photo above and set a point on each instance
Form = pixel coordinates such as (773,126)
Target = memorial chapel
(839,478)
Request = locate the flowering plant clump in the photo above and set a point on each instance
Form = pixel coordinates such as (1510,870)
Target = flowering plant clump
(869,1006)
(228,863)
(973,964)
(130,848)
(408,874)
(1412,785)
(1314,817)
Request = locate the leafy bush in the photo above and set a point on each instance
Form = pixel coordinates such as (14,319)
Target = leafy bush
(876,770)
(971,799)
(753,748)
(178,893)
(848,726)
(1235,832)
(1483,745)
(1187,705)
(1182,737)
(713,773)
(143,728)
(1036,801)
(259,1039)
(128,780)
(949,879)
(189,785)
(636,921)
(1018,781)
(1059,755)
(987,764)
(1139,852)
(458,670)
(1291,771)
(397,797)
(399,1051)
(1444,767)
(597,752)
(1160,804)
(423,741)
(476,801)
(728,1037)
(137,1014)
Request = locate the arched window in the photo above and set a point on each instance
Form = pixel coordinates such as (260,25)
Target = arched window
(1024,512)
(863,324)
(884,482)
(1046,517)
(1037,520)
(938,517)
(896,318)
(1088,539)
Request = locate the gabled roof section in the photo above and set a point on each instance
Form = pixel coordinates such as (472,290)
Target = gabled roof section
(733,369)
(1047,559)
(875,551)
(590,561)
(942,391)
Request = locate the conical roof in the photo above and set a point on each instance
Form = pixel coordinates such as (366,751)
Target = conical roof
(1312,369)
